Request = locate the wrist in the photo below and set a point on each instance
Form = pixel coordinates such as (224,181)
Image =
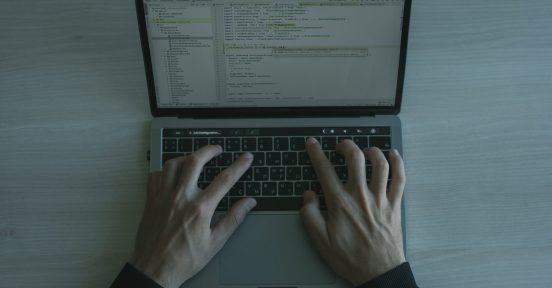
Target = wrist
(372,272)
(149,270)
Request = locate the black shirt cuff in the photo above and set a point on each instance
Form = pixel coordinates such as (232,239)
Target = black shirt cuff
(131,277)
(398,277)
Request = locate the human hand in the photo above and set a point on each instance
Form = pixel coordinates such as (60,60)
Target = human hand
(362,236)
(175,239)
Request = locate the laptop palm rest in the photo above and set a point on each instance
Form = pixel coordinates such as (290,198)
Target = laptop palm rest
(272,250)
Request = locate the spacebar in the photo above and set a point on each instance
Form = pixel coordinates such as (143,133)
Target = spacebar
(274,203)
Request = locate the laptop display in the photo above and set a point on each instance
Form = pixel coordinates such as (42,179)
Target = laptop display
(297,53)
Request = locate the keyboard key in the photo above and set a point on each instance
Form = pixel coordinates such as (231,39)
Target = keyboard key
(293,173)
(316,187)
(361,141)
(269,189)
(232,144)
(212,162)
(341,172)
(169,145)
(169,156)
(341,138)
(236,155)
(202,185)
(300,187)
(285,188)
(281,144)
(185,145)
(224,159)
(264,144)
(336,158)
(328,143)
(238,189)
(308,173)
(249,144)
(304,158)
(383,143)
(289,158)
(200,142)
(223,204)
(318,138)
(260,173)
(217,141)
(274,203)
(211,173)
(273,158)
(253,188)
(173,133)
(277,173)
(297,143)
(258,159)
(248,175)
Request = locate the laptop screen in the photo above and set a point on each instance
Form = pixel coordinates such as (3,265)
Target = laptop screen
(289,53)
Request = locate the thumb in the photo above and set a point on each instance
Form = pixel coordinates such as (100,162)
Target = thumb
(232,220)
(314,222)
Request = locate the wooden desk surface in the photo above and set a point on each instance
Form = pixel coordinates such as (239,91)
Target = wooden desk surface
(477,127)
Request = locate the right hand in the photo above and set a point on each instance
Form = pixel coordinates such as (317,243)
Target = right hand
(362,235)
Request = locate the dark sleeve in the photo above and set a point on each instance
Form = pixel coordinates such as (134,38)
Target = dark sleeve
(130,277)
(398,277)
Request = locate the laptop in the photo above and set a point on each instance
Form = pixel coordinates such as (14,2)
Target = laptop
(262,76)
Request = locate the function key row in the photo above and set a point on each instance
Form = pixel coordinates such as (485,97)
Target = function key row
(280,131)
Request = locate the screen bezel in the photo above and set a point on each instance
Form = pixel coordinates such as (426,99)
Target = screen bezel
(271,111)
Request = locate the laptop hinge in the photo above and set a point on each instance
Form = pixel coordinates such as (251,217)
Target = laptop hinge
(274,116)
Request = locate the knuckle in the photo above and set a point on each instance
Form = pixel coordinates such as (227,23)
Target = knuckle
(342,204)
(380,164)
(237,218)
(356,156)
(192,160)
(305,210)
(170,164)
(200,209)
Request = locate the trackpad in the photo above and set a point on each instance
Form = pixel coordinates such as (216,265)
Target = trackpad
(272,250)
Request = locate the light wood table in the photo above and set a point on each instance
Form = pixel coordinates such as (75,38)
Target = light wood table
(477,127)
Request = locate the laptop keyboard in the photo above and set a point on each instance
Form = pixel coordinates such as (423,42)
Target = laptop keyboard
(281,170)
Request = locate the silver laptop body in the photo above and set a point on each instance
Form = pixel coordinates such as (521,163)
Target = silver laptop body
(253,91)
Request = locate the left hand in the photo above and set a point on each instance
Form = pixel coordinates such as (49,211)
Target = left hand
(175,239)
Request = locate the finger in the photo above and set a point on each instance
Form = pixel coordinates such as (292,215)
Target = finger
(314,223)
(170,172)
(193,166)
(331,185)
(356,164)
(225,180)
(232,220)
(380,171)
(398,178)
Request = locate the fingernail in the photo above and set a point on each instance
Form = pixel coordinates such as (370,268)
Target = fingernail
(251,203)
(394,152)
(247,155)
(311,140)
